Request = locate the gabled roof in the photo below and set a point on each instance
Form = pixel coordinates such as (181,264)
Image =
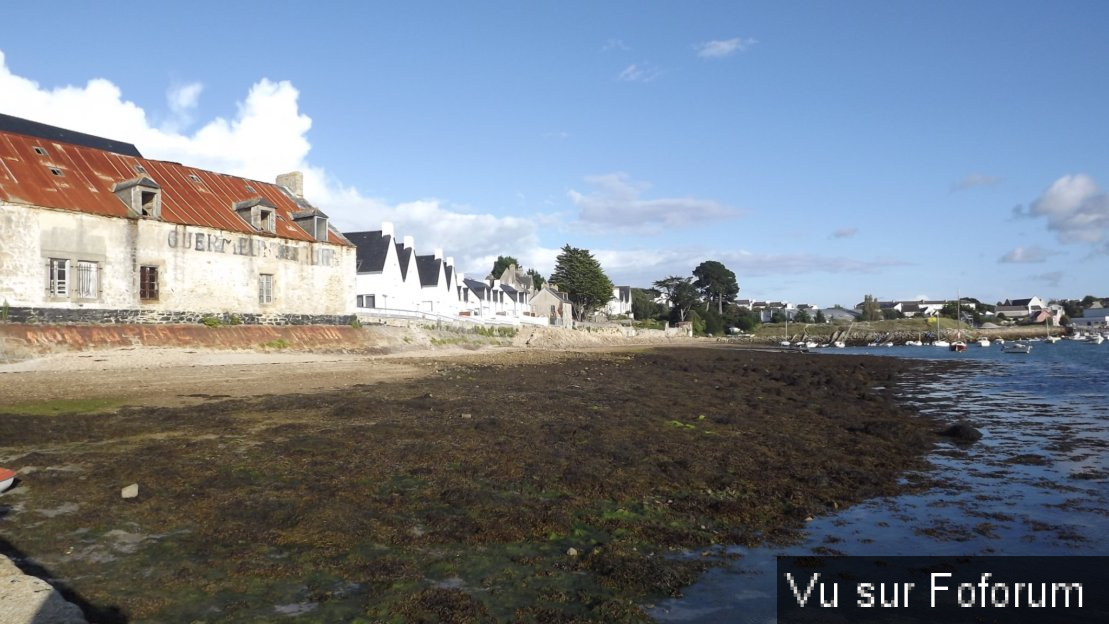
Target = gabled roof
(60,169)
(450,275)
(477,286)
(404,256)
(372,250)
(428,267)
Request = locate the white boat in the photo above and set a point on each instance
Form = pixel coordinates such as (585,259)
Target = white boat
(983,342)
(913,343)
(839,344)
(1017,347)
(7,478)
(1095,339)
(941,343)
(999,341)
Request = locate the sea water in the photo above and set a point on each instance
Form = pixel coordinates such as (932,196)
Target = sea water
(1036,484)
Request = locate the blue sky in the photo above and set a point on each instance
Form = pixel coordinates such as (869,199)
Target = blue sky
(820,150)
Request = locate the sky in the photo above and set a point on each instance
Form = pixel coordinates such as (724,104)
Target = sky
(822,151)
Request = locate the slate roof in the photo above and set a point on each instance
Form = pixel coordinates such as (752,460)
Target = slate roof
(428,267)
(50,167)
(477,286)
(404,256)
(27,127)
(372,250)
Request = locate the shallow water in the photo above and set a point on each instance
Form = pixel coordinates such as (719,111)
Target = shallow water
(1036,484)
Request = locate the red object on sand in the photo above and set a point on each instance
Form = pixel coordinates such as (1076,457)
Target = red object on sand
(7,478)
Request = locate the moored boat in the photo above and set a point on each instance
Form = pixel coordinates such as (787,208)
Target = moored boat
(1017,347)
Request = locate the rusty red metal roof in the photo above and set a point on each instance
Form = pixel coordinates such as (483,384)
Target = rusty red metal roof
(44,172)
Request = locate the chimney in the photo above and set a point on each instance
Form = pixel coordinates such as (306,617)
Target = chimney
(294,181)
(438,254)
(409,242)
(386,228)
(450,261)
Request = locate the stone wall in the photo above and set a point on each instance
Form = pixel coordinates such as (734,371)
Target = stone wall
(54,316)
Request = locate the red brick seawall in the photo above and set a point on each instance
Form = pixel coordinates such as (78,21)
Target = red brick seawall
(51,338)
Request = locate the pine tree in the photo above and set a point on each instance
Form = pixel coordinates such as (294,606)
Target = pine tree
(579,276)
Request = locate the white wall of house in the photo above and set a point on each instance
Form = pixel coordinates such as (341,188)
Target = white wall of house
(385,286)
(197,268)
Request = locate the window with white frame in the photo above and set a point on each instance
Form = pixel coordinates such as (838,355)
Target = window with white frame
(57,283)
(265,288)
(87,283)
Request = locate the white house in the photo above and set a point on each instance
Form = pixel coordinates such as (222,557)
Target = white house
(91,231)
(621,302)
(1092,319)
(1020,309)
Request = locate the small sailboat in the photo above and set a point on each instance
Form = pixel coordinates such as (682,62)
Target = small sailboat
(983,342)
(7,478)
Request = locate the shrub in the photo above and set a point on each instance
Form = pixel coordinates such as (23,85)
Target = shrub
(211,321)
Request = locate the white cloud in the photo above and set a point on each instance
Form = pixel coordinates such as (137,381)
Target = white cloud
(845,232)
(975,180)
(638,73)
(721,48)
(1024,255)
(615,44)
(616,201)
(267,136)
(184,98)
(1076,210)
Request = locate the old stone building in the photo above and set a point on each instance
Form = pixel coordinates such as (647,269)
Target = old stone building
(91,231)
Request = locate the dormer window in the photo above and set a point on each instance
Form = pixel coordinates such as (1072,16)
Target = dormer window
(259,213)
(314,222)
(142,196)
(265,219)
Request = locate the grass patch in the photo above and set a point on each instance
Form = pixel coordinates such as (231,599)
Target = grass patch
(279,343)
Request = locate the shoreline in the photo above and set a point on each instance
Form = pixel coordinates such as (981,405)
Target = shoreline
(574,473)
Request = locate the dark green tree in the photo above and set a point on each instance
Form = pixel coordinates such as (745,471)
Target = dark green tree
(746,319)
(716,283)
(502,263)
(644,306)
(680,292)
(537,280)
(819,318)
(580,277)
(802,316)
(871,310)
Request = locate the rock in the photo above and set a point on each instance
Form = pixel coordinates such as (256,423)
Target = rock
(29,600)
(131,491)
(962,431)
(466,415)
(572,552)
